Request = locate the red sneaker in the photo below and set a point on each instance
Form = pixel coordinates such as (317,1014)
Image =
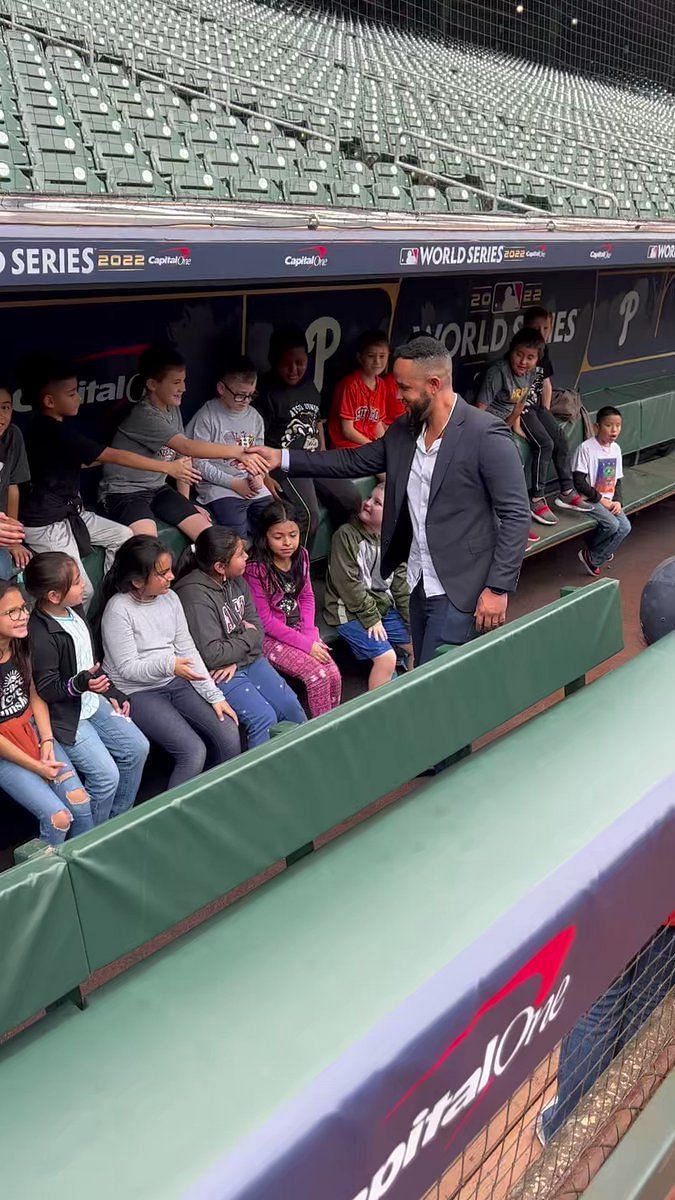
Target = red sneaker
(542,513)
(573,501)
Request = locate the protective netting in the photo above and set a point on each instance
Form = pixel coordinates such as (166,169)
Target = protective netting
(558,1128)
(617,39)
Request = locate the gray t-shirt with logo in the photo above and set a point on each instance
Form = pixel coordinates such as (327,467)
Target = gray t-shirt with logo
(501,389)
(145,430)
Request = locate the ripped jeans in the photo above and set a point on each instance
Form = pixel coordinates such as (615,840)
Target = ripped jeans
(62,807)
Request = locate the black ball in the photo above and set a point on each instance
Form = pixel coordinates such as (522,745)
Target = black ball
(657,605)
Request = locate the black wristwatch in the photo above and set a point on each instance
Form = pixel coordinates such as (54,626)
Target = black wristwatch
(498,591)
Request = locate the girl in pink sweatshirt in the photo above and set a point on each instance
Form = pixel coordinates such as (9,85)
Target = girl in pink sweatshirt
(278,576)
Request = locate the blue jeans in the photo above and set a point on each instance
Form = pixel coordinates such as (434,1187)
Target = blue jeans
(434,622)
(48,801)
(261,698)
(238,514)
(608,534)
(7,568)
(610,1024)
(110,752)
(179,720)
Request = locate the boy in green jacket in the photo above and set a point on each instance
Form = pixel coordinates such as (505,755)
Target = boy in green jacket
(371,613)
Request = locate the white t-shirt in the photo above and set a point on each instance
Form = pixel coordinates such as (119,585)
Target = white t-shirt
(84,657)
(602,465)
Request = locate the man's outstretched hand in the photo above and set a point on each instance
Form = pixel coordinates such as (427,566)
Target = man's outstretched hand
(270,456)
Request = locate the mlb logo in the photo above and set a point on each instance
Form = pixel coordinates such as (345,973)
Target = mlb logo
(653,252)
(410,256)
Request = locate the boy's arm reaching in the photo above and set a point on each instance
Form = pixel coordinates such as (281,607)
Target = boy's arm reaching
(181,469)
(195,448)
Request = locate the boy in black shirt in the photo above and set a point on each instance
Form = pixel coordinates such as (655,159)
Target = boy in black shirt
(52,511)
(290,406)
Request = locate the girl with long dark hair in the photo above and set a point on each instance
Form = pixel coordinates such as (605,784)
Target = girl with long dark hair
(278,576)
(89,716)
(223,621)
(150,655)
(34,769)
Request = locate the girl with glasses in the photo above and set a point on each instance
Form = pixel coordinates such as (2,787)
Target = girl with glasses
(34,769)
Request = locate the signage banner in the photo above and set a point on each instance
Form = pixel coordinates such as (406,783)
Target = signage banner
(130,258)
(389,1116)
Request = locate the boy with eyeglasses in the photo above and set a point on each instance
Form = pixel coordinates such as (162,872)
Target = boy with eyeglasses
(231,496)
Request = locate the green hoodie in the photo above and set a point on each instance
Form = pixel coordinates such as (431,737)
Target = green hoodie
(355,589)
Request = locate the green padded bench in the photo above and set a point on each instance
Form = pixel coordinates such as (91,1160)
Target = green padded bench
(173,1053)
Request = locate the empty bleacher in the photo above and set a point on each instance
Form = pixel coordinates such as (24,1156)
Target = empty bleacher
(248,101)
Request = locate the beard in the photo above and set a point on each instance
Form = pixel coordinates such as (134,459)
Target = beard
(418,413)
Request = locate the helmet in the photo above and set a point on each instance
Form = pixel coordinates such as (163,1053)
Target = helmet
(657,605)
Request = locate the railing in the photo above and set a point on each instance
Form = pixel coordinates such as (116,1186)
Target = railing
(466,187)
(502,164)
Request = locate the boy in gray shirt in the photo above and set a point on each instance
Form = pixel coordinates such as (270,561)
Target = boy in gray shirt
(154,428)
(230,495)
(509,391)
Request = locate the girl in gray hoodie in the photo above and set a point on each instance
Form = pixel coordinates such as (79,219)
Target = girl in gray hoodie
(226,628)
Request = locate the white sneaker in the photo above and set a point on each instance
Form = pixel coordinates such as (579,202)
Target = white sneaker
(539,1123)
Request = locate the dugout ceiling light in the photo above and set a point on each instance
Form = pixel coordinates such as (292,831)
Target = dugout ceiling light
(520,8)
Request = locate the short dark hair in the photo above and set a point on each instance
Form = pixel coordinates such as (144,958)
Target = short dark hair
(371,337)
(536,312)
(286,337)
(239,364)
(423,349)
(40,372)
(608,410)
(529,339)
(157,360)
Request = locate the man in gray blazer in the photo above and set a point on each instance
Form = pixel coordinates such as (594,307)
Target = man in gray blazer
(455,505)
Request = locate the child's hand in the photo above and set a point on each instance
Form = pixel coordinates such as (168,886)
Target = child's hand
(47,750)
(608,504)
(377,632)
(273,487)
(120,710)
(320,652)
(49,770)
(20,556)
(615,508)
(244,487)
(184,669)
(97,683)
(222,710)
(11,531)
(182,470)
(224,674)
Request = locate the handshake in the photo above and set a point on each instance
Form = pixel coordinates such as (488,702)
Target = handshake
(260,460)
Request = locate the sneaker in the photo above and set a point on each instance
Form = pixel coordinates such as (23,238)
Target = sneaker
(532,539)
(539,1123)
(574,502)
(541,512)
(586,563)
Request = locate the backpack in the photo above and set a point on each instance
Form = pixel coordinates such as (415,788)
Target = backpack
(566,405)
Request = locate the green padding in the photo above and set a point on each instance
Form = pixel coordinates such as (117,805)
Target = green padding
(178,1059)
(137,875)
(643,1165)
(41,947)
(658,419)
(649,482)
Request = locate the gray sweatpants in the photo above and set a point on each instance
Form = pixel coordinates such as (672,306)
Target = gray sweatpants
(59,536)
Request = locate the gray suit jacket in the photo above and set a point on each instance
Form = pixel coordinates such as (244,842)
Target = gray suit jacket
(479,514)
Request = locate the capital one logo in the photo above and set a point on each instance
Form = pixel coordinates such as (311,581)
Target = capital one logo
(498,1054)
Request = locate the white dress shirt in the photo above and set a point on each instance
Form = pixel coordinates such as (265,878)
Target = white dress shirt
(420,565)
